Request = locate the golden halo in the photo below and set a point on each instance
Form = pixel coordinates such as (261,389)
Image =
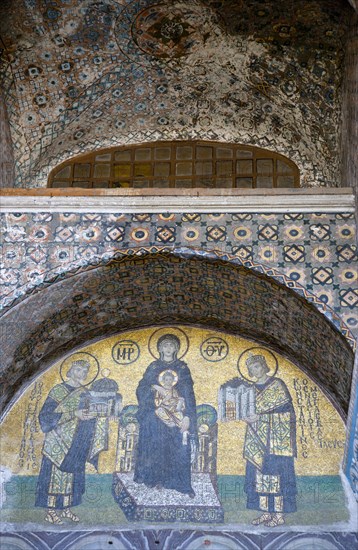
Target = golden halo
(184,341)
(164,372)
(271,361)
(80,355)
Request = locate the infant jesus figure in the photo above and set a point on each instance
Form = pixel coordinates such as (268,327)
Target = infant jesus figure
(169,404)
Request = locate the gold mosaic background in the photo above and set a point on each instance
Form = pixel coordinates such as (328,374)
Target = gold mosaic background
(320,430)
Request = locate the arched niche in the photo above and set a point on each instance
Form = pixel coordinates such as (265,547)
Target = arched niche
(177,165)
(167,288)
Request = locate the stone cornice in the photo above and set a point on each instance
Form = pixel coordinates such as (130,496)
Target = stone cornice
(334,200)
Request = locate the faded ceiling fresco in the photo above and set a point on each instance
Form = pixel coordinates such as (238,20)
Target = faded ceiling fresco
(78,76)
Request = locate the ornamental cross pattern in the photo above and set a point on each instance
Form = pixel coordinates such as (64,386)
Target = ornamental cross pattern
(349,297)
(216,233)
(64,234)
(346,252)
(294,253)
(115,233)
(320,232)
(165,234)
(322,276)
(268,232)
(243,252)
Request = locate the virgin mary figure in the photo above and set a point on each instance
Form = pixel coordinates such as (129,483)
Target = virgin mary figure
(163,454)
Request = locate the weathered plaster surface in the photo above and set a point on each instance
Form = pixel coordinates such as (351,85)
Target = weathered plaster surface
(7,167)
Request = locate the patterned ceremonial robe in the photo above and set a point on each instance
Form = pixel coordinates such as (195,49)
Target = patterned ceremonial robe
(69,444)
(270,448)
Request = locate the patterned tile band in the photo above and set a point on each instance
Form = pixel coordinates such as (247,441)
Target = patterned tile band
(156,286)
(314,254)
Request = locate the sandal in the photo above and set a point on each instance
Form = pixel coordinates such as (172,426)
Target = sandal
(67,513)
(275,521)
(52,517)
(261,519)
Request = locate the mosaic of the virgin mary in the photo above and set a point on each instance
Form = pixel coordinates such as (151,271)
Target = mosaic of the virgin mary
(167,421)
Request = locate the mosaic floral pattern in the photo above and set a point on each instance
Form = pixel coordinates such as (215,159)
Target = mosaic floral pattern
(163,31)
(83,76)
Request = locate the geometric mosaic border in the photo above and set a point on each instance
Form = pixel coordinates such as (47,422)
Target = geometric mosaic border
(186,252)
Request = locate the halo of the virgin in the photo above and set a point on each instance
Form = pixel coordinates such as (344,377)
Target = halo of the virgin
(179,333)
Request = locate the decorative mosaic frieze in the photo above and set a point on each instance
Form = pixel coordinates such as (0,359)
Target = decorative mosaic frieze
(314,253)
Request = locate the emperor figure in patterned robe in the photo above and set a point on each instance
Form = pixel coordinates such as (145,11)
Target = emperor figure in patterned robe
(73,436)
(270,448)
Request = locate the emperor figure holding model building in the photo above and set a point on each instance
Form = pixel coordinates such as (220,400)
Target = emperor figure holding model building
(266,406)
(74,419)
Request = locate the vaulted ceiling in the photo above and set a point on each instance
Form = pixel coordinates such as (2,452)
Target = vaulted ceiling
(81,75)
(163,288)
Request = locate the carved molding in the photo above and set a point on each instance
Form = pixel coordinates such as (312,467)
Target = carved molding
(193,200)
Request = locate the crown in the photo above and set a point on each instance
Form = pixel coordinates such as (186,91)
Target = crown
(253,358)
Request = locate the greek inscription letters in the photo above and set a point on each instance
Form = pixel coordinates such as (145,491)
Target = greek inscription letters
(214,349)
(125,352)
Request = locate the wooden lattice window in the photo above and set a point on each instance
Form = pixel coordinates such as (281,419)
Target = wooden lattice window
(177,164)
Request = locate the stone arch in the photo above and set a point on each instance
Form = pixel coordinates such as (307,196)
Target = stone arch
(72,268)
(166,288)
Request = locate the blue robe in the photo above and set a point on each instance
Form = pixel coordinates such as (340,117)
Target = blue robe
(162,459)
(74,461)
